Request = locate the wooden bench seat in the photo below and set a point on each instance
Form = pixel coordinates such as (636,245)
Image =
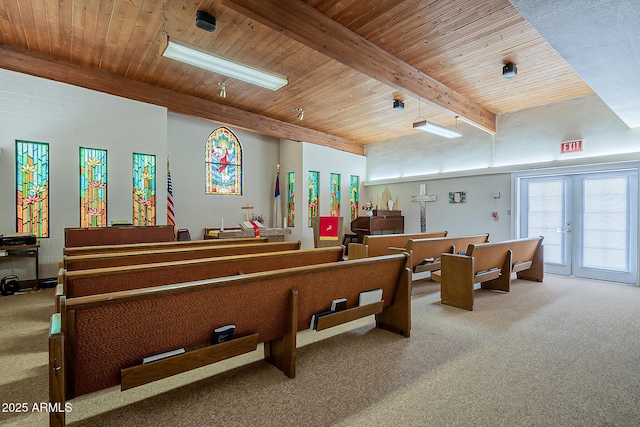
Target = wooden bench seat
(117,259)
(89,350)
(131,247)
(377,245)
(112,279)
(425,254)
(491,265)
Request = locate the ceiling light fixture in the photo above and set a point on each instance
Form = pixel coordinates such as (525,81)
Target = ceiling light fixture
(509,70)
(208,61)
(300,113)
(398,105)
(223,90)
(435,129)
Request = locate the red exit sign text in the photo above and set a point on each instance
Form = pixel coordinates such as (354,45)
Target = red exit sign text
(571,146)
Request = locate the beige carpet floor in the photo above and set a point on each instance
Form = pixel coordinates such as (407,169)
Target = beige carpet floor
(565,352)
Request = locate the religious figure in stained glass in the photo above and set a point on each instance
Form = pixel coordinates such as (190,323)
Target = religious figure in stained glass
(291,199)
(354,195)
(144,189)
(334,194)
(314,202)
(223,163)
(93,187)
(32,188)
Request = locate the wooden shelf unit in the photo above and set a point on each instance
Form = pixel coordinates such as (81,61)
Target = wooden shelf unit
(24,251)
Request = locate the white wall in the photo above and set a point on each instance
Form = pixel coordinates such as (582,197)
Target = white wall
(326,161)
(472,217)
(195,210)
(526,138)
(291,161)
(67,117)
(477,164)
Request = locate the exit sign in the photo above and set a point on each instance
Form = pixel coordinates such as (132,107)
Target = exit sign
(571,146)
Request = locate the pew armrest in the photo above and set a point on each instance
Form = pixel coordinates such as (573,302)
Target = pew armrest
(456,283)
(57,383)
(357,251)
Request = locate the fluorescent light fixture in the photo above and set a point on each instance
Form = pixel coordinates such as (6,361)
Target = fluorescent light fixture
(208,61)
(428,127)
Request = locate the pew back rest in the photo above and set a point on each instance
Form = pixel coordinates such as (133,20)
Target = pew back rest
(86,250)
(89,236)
(493,255)
(378,244)
(83,262)
(524,249)
(112,279)
(434,248)
(109,332)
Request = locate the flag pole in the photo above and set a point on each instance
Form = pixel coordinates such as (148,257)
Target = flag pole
(276,201)
(171,214)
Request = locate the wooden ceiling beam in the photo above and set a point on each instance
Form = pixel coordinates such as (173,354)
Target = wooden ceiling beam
(319,32)
(52,69)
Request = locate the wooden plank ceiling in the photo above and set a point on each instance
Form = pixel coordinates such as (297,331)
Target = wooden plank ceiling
(346,60)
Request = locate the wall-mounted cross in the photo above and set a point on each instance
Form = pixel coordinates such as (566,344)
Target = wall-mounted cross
(423,198)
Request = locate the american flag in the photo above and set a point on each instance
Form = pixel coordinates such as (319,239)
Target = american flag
(171,213)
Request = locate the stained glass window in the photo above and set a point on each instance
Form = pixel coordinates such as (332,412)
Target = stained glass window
(291,199)
(334,193)
(93,187)
(314,201)
(223,163)
(144,189)
(354,195)
(32,188)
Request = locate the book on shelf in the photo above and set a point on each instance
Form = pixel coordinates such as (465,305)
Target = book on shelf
(339,304)
(163,355)
(315,317)
(370,297)
(223,333)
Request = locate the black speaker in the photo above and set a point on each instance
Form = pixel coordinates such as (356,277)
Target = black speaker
(205,21)
(509,71)
(9,285)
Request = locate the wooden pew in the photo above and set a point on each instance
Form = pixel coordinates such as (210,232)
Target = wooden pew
(491,265)
(377,245)
(90,351)
(89,236)
(424,254)
(113,279)
(87,250)
(118,259)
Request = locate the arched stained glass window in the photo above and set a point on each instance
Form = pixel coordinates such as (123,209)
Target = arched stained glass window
(223,163)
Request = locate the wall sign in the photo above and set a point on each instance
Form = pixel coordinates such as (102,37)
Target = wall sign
(570,146)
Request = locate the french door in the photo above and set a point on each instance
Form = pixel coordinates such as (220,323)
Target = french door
(588,220)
